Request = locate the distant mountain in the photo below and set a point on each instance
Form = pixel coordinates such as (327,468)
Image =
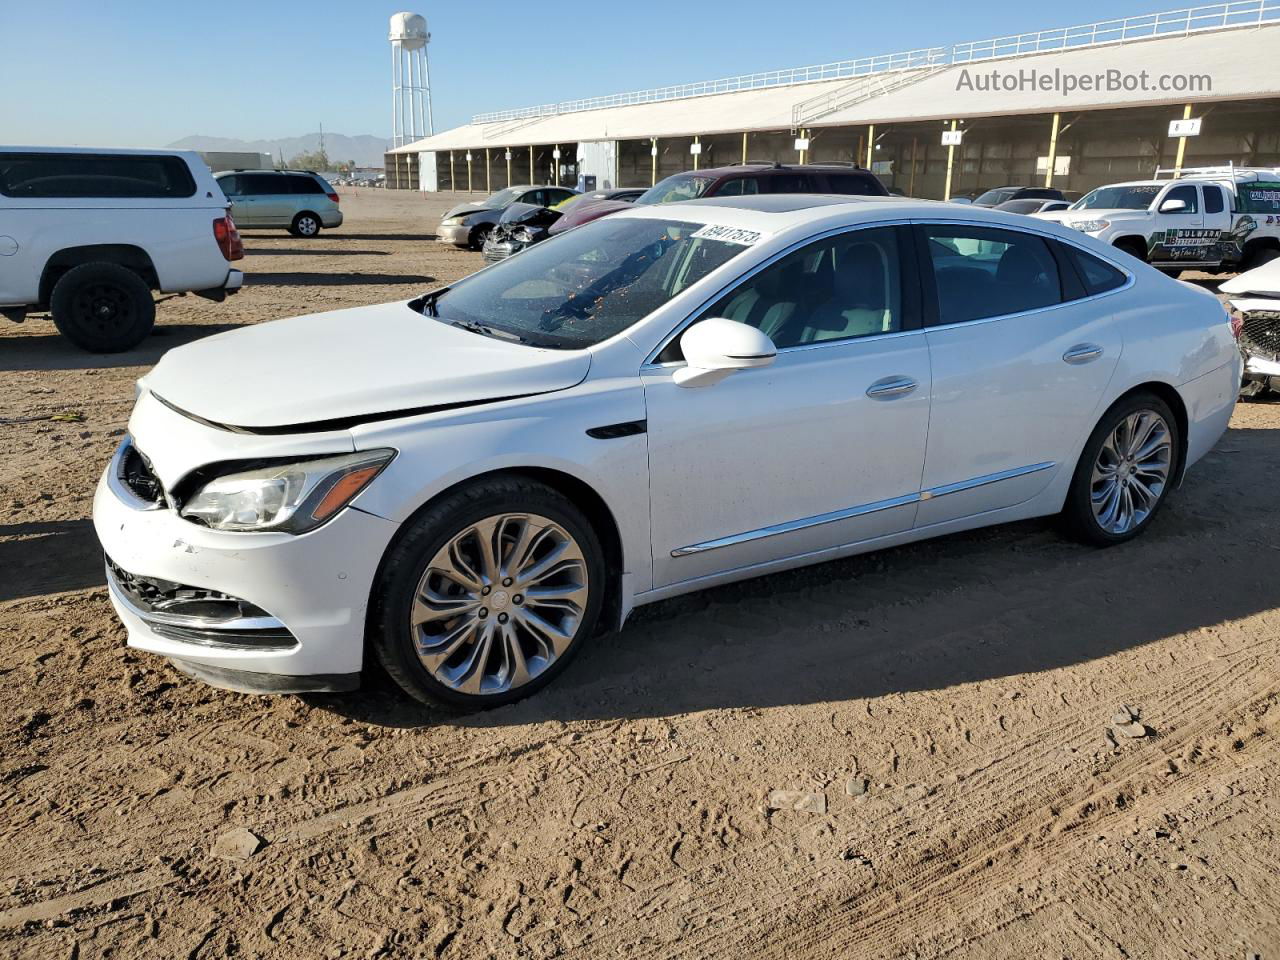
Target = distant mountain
(365,150)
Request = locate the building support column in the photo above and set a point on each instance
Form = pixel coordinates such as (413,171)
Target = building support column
(871,143)
(804,135)
(696,155)
(1182,144)
(653,160)
(951,158)
(453,184)
(744,146)
(488,176)
(507,151)
(555,165)
(911,184)
(470,188)
(532,179)
(1053,152)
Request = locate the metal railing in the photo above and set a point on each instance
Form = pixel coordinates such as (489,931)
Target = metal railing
(1217,16)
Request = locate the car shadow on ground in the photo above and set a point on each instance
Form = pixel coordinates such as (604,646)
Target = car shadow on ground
(311,252)
(52,351)
(380,237)
(967,608)
(257,279)
(41,557)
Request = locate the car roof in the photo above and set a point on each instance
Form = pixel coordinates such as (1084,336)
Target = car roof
(768,168)
(778,213)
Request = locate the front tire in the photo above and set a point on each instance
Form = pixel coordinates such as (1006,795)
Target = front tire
(102,307)
(478,236)
(488,595)
(305,225)
(1124,473)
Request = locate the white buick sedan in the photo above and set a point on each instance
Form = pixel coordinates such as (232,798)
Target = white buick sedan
(468,486)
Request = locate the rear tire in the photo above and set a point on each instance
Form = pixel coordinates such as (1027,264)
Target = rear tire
(428,626)
(103,307)
(306,225)
(1129,462)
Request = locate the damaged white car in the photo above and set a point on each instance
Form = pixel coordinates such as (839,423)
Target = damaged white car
(466,486)
(1255,320)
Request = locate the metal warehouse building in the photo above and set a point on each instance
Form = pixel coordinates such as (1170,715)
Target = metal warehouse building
(1006,99)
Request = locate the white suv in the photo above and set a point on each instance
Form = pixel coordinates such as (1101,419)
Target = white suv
(1214,219)
(89,234)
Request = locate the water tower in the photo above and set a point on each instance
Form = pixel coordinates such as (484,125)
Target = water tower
(410,81)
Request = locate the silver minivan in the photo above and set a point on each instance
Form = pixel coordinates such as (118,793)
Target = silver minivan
(300,201)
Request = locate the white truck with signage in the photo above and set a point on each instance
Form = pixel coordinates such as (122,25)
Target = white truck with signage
(1211,218)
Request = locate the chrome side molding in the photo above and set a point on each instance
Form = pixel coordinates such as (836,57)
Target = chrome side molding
(791,526)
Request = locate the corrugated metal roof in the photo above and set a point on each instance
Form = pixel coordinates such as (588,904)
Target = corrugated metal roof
(1242,64)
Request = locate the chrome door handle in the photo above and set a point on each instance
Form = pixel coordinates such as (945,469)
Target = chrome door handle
(1082,353)
(891,387)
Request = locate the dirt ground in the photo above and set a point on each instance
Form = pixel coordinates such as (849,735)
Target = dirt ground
(942,710)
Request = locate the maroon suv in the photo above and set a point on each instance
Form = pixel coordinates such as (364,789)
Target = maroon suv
(735,181)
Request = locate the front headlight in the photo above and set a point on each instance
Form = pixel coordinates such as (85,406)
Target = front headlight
(1090,226)
(450,221)
(289,497)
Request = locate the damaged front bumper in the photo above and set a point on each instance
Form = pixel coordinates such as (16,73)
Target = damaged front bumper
(256,612)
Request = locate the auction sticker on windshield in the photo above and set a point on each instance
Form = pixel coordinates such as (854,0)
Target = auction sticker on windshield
(738,235)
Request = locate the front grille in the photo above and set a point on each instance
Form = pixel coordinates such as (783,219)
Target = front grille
(197,615)
(137,475)
(1260,334)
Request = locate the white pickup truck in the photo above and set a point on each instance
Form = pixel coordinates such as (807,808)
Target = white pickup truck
(1209,218)
(89,234)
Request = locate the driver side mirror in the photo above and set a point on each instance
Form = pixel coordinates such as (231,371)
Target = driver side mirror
(716,347)
(1173,206)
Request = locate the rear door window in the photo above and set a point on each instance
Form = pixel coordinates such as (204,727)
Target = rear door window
(85,175)
(303,184)
(1213,202)
(981,272)
(262,184)
(789,183)
(1098,276)
(230,185)
(852,185)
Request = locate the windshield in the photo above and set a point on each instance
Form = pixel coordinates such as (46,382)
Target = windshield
(1136,197)
(585,285)
(680,187)
(998,195)
(501,198)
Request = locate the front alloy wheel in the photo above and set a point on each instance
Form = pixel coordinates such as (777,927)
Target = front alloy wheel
(499,603)
(488,593)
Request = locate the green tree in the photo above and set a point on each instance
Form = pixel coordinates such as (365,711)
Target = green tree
(310,160)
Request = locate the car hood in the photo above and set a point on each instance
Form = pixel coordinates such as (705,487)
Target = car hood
(589,210)
(334,369)
(1116,213)
(463,209)
(1263,281)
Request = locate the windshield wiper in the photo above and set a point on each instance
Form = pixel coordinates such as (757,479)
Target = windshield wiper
(484,329)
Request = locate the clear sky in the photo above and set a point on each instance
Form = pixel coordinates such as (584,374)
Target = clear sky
(145,72)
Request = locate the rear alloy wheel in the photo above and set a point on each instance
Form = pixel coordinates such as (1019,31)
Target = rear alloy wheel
(103,307)
(305,225)
(1124,472)
(488,595)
